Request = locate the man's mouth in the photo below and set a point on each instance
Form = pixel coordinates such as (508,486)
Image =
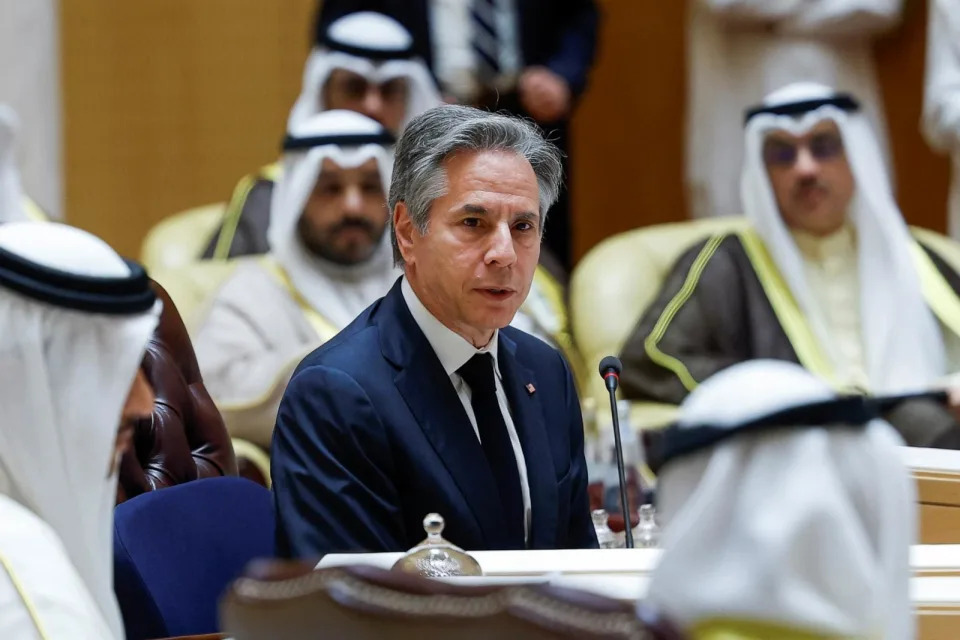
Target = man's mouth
(496,293)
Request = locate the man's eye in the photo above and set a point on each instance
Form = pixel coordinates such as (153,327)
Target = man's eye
(327,190)
(471,222)
(524,226)
(355,88)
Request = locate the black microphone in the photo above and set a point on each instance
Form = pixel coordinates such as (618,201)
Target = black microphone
(610,368)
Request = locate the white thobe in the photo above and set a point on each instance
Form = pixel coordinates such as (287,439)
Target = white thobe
(741,50)
(41,593)
(832,272)
(941,100)
(252,338)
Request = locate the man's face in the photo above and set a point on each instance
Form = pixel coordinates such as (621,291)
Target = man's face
(386,103)
(473,267)
(811,178)
(138,406)
(346,214)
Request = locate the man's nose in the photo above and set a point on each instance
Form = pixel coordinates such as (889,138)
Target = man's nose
(806,164)
(501,250)
(373,103)
(352,199)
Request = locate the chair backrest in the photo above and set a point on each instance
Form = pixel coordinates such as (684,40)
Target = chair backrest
(617,280)
(192,287)
(185,438)
(181,238)
(366,602)
(176,550)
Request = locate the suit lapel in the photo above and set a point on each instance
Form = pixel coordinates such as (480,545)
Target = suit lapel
(527,416)
(431,397)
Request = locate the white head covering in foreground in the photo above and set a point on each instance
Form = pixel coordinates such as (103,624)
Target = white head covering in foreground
(784,505)
(903,347)
(76,319)
(374,46)
(11,197)
(339,292)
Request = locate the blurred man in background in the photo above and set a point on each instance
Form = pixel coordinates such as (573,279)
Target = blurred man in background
(941,100)
(826,274)
(13,205)
(329,259)
(363,62)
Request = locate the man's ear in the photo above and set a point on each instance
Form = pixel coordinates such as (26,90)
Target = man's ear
(403,227)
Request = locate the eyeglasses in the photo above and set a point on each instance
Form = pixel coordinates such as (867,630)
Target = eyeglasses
(822,146)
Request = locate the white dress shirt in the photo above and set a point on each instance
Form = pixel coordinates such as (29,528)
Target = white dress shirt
(454,352)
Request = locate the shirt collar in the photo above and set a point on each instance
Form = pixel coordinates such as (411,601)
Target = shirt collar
(451,348)
(841,243)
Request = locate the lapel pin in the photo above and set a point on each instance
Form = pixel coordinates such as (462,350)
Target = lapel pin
(530,388)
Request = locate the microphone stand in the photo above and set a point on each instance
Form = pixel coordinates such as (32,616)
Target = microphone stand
(611,379)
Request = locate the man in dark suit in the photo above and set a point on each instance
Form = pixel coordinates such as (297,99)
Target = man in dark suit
(428,401)
(530,57)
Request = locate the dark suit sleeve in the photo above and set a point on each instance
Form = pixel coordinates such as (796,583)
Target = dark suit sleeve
(332,470)
(580,531)
(577,46)
(698,334)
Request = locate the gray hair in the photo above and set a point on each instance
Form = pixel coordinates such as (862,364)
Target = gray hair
(433,136)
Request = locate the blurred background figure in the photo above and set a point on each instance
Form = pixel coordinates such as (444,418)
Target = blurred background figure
(741,50)
(941,104)
(30,84)
(329,259)
(823,555)
(825,274)
(530,57)
(363,62)
(11,197)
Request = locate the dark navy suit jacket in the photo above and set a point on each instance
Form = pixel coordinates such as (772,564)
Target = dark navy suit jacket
(371,436)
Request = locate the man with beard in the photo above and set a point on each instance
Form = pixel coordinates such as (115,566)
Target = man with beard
(363,62)
(823,272)
(329,259)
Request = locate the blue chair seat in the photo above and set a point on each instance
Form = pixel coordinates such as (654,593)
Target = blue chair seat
(177,549)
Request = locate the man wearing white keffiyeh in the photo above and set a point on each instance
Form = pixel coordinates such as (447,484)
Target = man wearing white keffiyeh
(363,62)
(788,507)
(823,272)
(76,320)
(329,259)
(11,197)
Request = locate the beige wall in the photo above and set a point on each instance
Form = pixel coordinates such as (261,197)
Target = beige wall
(168,102)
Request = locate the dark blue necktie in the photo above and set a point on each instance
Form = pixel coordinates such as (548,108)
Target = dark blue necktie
(495,439)
(485,40)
